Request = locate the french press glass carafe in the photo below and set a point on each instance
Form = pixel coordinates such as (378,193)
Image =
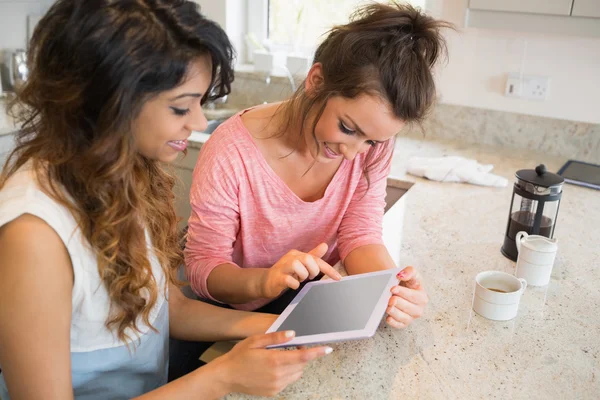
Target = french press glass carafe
(534,206)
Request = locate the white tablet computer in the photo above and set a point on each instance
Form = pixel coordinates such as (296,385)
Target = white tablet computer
(332,311)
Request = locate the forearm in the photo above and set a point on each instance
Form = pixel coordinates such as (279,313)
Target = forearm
(369,258)
(205,383)
(197,321)
(234,285)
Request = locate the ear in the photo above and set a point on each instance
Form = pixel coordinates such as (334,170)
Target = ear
(314,79)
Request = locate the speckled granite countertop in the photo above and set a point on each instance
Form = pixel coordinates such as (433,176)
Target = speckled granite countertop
(451,232)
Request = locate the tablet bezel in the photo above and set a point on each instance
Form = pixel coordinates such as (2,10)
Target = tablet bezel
(574,181)
(369,330)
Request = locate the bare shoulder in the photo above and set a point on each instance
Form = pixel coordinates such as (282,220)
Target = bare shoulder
(30,245)
(259,121)
(36,281)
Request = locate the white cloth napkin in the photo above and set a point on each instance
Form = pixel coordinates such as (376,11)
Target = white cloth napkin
(454,169)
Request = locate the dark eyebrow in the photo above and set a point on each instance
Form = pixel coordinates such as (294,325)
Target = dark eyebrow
(197,95)
(357,128)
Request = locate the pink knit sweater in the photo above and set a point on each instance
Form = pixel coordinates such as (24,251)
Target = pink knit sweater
(244,214)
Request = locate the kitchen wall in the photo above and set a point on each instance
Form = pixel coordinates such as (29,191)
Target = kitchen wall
(480,59)
(13,26)
(13,20)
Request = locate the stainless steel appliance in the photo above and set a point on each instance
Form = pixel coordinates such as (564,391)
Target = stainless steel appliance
(19,72)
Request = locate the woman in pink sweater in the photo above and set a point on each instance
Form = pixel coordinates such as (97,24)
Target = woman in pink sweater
(283,191)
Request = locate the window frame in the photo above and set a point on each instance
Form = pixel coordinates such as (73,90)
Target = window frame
(257,23)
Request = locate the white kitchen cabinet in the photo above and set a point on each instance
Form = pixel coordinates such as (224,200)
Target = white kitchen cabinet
(586,8)
(184,168)
(559,17)
(393,219)
(554,7)
(182,195)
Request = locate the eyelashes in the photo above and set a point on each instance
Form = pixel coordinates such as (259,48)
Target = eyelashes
(345,129)
(180,111)
(349,131)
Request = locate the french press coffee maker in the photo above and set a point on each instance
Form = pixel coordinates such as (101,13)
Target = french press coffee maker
(534,206)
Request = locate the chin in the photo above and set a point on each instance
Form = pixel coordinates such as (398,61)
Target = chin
(169,158)
(325,160)
(163,157)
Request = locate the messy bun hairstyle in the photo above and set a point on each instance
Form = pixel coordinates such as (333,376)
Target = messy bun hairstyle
(386,50)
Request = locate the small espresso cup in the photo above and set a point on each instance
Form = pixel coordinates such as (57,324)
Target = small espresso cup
(497,295)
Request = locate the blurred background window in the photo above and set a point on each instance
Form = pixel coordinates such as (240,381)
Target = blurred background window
(302,23)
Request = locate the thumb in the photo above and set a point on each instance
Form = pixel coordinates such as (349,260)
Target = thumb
(408,277)
(319,251)
(267,339)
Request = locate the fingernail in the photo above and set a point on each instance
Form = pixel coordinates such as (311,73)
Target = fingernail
(289,334)
(328,350)
(400,274)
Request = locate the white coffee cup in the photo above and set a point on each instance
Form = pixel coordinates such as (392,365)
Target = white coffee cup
(536,258)
(497,295)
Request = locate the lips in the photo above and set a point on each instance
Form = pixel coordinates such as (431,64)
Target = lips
(179,145)
(328,152)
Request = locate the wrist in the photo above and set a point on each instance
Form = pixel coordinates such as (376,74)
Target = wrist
(221,376)
(262,323)
(258,286)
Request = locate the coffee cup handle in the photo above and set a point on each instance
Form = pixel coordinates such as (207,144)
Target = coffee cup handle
(523,284)
(518,238)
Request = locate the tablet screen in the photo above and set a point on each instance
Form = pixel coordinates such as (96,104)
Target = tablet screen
(582,172)
(336,307)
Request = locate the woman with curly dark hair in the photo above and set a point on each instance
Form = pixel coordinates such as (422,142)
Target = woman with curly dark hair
(88,240)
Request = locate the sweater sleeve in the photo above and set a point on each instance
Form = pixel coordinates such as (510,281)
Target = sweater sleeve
(362,223)
(214,221)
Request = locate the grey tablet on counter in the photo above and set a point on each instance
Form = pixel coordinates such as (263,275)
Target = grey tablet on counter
(332,311)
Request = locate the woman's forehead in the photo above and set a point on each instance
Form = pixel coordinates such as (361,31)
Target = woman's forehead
(370,114)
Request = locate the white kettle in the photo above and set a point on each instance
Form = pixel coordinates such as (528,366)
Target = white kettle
(536,258)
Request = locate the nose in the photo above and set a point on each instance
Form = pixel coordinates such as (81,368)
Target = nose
(350,152)
(197,121)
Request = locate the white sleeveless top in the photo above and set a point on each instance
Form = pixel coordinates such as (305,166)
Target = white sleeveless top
(102,365)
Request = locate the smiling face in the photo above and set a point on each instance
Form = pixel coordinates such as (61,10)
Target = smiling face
(349,127)
(166,121)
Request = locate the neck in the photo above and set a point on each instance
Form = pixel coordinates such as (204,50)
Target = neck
(295,137)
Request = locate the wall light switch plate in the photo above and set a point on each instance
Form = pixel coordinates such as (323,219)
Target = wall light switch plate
(531,87)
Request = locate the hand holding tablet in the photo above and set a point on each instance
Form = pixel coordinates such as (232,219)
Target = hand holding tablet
(331,311)
(408,300)
(276,369)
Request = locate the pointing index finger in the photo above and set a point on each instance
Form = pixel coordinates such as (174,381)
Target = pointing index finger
(328,270)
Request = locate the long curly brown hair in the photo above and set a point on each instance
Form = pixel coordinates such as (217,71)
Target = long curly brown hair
(93,64)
